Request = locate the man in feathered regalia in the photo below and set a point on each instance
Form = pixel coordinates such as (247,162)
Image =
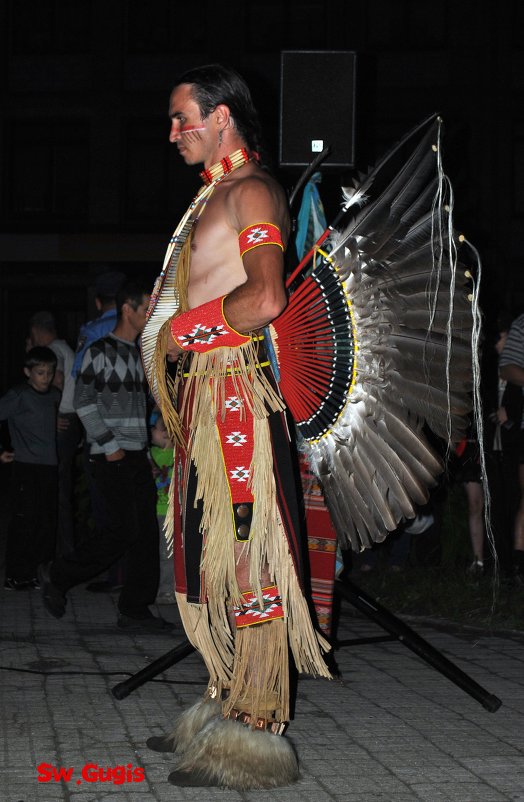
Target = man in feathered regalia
(234,520)
(373,346)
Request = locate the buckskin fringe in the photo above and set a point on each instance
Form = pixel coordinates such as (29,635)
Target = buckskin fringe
(251,664)
(268,545)
(218,558)
(260,684)
(211,638)
(182,275)
(205,388)
(210,369)
(166,387)
(169,521)
(159,377)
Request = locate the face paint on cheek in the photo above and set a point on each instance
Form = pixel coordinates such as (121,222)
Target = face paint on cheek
(191,133)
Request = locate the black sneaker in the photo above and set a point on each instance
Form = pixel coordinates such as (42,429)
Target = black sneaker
(17,584)
(54,599)
(476,569)
(146,623)
(193,779)
(517,577)
(103,586)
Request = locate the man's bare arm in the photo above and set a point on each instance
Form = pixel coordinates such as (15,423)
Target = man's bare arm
(58,380)
(513,374)
(259,300)
(262,297)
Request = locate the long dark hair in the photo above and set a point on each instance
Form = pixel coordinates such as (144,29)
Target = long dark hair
(214,84)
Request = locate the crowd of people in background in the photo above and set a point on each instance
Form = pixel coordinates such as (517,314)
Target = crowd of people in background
(89,412)
(488,467)
(500,474)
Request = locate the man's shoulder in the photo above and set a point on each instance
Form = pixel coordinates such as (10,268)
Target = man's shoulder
(101,344)
(62,347)
(112,348)
(255,182)
(99,349)
(518,324)
(513,351)
(99,326)
(256,197)
(15,391)
(515,339)
(24,390)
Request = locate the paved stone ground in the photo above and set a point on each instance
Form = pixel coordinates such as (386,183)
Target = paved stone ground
(392,730)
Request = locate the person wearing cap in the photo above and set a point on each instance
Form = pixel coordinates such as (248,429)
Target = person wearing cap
(106,288)
(43,333)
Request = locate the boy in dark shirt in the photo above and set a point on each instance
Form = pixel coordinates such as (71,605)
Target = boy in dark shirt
(30,410)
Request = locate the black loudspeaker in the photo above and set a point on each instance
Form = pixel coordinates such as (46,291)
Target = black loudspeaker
(317,107)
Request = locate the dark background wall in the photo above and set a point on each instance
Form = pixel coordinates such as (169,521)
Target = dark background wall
(87,174)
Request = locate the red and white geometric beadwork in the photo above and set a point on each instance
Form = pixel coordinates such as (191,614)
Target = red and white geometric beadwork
(249,613)
(259,234)
(205,328)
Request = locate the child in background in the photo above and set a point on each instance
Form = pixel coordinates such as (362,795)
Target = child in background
(31,413)
(161,453)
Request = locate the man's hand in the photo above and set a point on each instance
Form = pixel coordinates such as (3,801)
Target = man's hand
(173,350)
(513,374)
(502,415)
(116,455)
(58,380)
(62,423)
(7,456)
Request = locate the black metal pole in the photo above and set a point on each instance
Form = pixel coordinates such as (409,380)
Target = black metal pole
(310,169)
(372,609)
(164,662)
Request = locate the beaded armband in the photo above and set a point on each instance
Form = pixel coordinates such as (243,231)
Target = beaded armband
(259,234)
(205,328)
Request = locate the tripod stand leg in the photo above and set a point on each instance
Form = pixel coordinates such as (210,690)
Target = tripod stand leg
(372,609)
(159,665)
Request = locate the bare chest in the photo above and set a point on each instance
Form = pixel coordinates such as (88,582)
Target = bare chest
(216,267)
